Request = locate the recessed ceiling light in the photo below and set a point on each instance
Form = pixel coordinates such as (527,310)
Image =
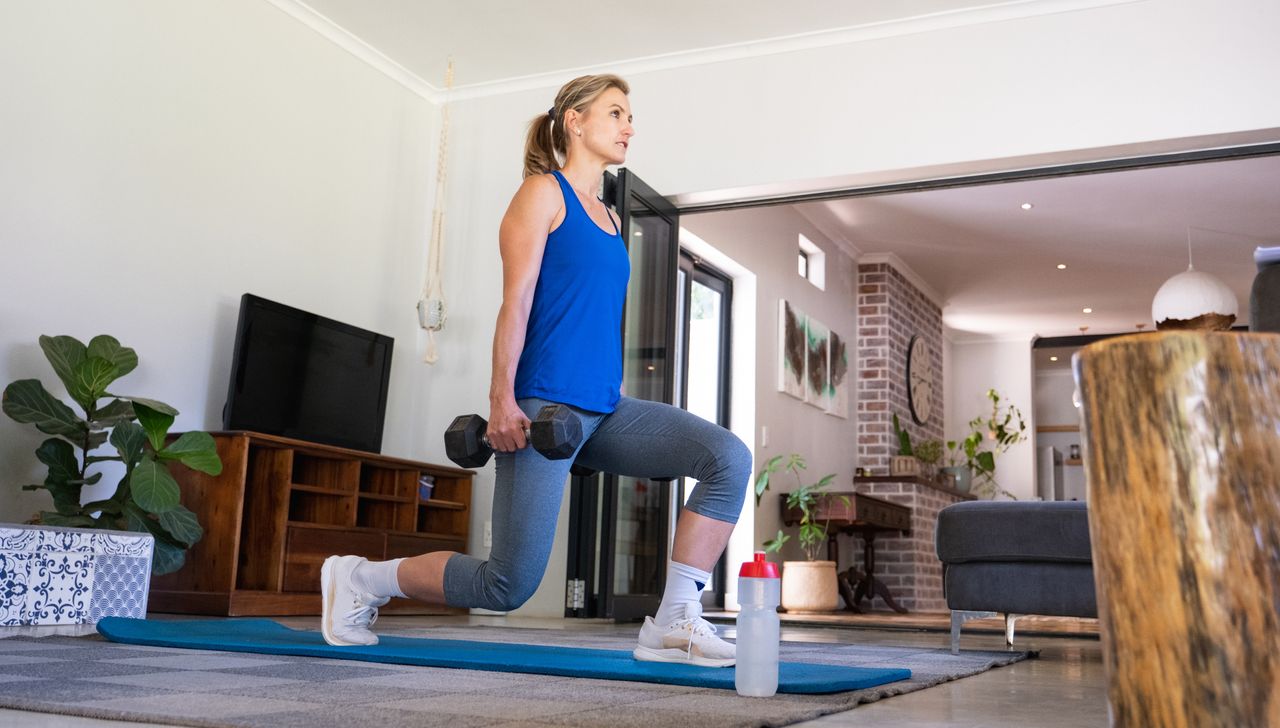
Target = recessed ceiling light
(1087,310)
(1027,205)
(1053,358)
(1062,266)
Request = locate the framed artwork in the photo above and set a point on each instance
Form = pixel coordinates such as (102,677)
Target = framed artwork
(818,340)
(838,379)
(792,349)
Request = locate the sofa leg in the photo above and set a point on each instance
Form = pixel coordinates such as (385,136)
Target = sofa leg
(1008,629)
(956,621)
(958,618)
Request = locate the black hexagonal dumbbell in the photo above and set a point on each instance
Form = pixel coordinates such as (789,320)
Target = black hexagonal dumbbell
(556,432)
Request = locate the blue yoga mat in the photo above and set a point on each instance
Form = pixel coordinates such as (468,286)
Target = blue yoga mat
(268,637)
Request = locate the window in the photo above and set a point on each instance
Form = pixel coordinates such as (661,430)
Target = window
(812,262)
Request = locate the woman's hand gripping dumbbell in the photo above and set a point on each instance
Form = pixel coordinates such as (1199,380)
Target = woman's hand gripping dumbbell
(556,433)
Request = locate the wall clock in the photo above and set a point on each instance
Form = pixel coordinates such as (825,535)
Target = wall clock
(920,378)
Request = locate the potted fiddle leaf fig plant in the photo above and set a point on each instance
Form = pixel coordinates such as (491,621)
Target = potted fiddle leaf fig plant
(809,585)
(147,498)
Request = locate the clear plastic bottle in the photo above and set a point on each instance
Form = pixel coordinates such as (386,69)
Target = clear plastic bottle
(755,672)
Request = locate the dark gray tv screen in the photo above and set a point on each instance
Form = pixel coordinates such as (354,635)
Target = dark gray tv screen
(307,377)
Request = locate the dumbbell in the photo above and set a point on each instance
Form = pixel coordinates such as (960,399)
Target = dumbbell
(556,433)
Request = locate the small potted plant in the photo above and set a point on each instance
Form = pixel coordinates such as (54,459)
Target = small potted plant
(145,500)
(929,453)
(809,585)
(973,458)
(905,462)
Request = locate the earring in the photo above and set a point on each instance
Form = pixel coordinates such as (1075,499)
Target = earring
(579,130)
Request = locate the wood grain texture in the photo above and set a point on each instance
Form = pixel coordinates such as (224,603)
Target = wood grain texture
(1182,457)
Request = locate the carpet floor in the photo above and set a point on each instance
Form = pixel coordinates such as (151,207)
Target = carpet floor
(88,676)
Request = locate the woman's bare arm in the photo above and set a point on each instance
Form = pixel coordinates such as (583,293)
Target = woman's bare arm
(522,239)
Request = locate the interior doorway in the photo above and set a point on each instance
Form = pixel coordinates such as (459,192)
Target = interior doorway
(703,381)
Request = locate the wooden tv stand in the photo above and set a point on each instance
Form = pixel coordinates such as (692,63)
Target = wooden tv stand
(281,506)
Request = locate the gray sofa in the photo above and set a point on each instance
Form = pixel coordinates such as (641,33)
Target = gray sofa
(1015,558)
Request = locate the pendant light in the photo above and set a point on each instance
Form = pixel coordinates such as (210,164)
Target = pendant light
(1194,300)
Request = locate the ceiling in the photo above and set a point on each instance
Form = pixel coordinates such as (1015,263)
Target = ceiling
(1120,234)
(493,41)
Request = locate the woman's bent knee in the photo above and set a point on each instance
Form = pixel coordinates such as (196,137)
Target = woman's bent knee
(721,493)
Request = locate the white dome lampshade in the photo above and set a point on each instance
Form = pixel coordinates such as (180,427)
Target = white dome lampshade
(1194,300)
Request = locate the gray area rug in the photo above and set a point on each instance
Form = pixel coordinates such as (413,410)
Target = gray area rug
(88,676)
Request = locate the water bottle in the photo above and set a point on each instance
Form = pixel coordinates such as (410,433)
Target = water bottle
(755,672)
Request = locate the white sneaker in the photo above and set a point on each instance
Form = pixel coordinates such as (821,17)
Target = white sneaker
(691,640)
(348,613)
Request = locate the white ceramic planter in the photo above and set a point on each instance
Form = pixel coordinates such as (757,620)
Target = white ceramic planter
(809,586)
(72,575)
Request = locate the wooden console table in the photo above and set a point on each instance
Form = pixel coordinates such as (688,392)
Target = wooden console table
(864,515)
(281,506)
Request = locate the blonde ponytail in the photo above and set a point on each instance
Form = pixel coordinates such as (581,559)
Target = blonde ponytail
(545,146)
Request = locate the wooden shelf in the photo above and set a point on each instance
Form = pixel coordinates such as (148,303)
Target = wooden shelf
(1057,428)
(1073,461)
(388,498)
(445,504)
(299,487)
(280,507)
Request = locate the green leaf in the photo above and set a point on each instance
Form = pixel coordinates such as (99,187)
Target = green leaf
(90,379)
(775,544)
(196,450)
(986,462)
(152,487)
(108,506)
(166,558)
(116,411)
(60,457)
(122,358)
(94,440)
(153,404)
(182,525)
(64,353)
(129,439)
(28,402)
(155,422)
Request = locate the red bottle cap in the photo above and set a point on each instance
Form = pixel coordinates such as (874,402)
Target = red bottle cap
(759,568)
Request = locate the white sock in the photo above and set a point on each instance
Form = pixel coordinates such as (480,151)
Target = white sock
(378,578)
(684,587)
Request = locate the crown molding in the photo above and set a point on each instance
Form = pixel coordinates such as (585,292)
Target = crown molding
(945,20)
(893,260)
(357,47)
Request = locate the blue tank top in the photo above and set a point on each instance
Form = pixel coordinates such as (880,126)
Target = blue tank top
(573,344)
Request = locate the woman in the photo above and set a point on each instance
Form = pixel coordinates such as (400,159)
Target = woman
(558,340)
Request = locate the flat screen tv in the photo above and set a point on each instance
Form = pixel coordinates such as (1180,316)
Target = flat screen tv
(299,375)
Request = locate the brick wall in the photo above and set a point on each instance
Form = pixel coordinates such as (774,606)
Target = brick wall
(909,564)
(890,311)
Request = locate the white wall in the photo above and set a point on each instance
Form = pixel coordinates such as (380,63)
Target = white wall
(161,159)
(764,240)
(977,365)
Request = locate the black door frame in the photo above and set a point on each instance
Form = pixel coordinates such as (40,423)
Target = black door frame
(593,509)
(698,270)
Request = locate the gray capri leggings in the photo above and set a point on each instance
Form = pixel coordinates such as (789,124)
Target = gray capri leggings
(640,439)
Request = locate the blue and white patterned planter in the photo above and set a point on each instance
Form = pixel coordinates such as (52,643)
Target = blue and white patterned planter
(72,575)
